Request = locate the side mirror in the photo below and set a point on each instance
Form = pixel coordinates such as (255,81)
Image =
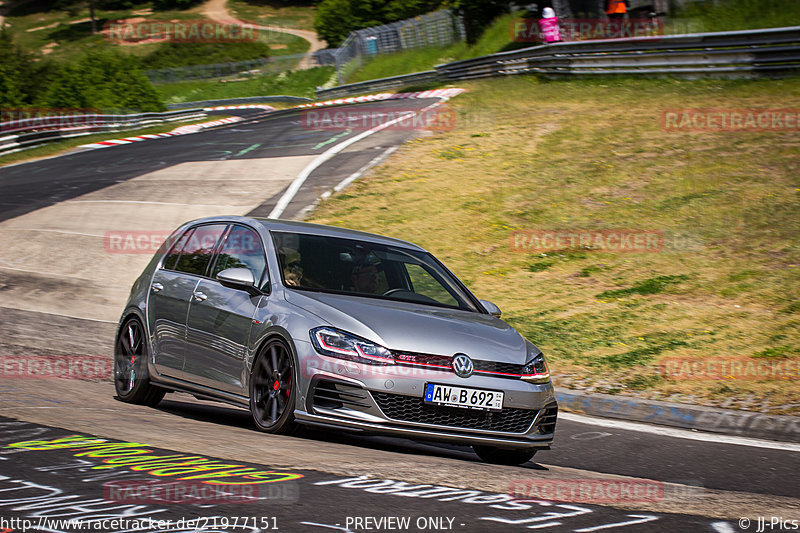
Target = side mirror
(491,308)
(237,278)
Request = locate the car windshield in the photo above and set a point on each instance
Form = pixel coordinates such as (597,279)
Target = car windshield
(347,266)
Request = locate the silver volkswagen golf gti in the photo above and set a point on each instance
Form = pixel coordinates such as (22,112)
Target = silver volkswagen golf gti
(317,325)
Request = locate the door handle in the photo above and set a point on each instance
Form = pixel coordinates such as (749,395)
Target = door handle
(157,287)
(199,296)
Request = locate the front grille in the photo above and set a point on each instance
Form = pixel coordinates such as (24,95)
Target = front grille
(492,366)
(444,363)
(335,395)
(547,420)
(413,409)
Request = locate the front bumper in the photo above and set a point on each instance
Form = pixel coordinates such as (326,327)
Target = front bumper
(388,400)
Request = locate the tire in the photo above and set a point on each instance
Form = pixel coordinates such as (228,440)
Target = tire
(131,379)
(504,456)
(273,389)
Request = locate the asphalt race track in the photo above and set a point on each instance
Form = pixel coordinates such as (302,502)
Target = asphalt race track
(53,215)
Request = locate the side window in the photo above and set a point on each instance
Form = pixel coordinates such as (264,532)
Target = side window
(423,283)
(242,249)
(199,249)
(172,257)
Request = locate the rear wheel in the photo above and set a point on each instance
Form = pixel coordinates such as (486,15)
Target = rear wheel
(273,389)
(131,379)
(504,456)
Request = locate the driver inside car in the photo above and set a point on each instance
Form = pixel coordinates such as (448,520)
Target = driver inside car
(365,278)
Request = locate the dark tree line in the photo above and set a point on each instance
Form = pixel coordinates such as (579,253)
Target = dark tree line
(101,79)
(335,19)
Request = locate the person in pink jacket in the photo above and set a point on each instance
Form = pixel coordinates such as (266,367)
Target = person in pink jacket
(548,25)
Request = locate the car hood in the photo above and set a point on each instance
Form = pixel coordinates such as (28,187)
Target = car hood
(417,328)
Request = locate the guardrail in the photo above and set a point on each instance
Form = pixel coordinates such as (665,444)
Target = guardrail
(739,52)
(244,100)
(77,122)
(16,135)
(773,51)
(382,84)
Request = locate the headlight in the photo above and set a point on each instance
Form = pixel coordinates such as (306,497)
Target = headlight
(535,370)
(335,343)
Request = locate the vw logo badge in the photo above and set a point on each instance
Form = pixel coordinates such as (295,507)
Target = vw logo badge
(462,365)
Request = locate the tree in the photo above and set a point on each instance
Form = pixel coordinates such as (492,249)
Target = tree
(335,19)
(478,14)
(22,80)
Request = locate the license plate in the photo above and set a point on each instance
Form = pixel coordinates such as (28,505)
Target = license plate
(463,397)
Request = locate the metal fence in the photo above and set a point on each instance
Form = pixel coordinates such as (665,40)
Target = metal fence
(235,70)
(751,53)
(440,28)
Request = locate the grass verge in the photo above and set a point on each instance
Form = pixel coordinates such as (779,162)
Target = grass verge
(495,39)
(274,13)
(742,14)
(530,154)
(297,83)
(66,34)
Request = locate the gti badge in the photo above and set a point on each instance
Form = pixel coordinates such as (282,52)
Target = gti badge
(462,365)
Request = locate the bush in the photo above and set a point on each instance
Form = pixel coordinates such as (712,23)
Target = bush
(102,79)
(21,79)
(336,18)
(174,54)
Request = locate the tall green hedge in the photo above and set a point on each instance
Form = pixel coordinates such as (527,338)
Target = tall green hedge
(101,78)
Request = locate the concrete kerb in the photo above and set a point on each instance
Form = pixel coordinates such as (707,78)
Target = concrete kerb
(692,417)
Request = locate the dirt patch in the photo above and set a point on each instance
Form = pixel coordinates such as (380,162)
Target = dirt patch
(39,28)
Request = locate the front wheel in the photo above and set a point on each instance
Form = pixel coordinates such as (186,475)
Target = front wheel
(131,380)
(504,456)
(273,389)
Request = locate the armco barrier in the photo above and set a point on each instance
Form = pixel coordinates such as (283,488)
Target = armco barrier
(237,101)
(751,53)
(737,53)
(692,417)
(381,84)
(28,133)
(91,120)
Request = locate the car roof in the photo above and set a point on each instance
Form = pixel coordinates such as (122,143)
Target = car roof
(274,224)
